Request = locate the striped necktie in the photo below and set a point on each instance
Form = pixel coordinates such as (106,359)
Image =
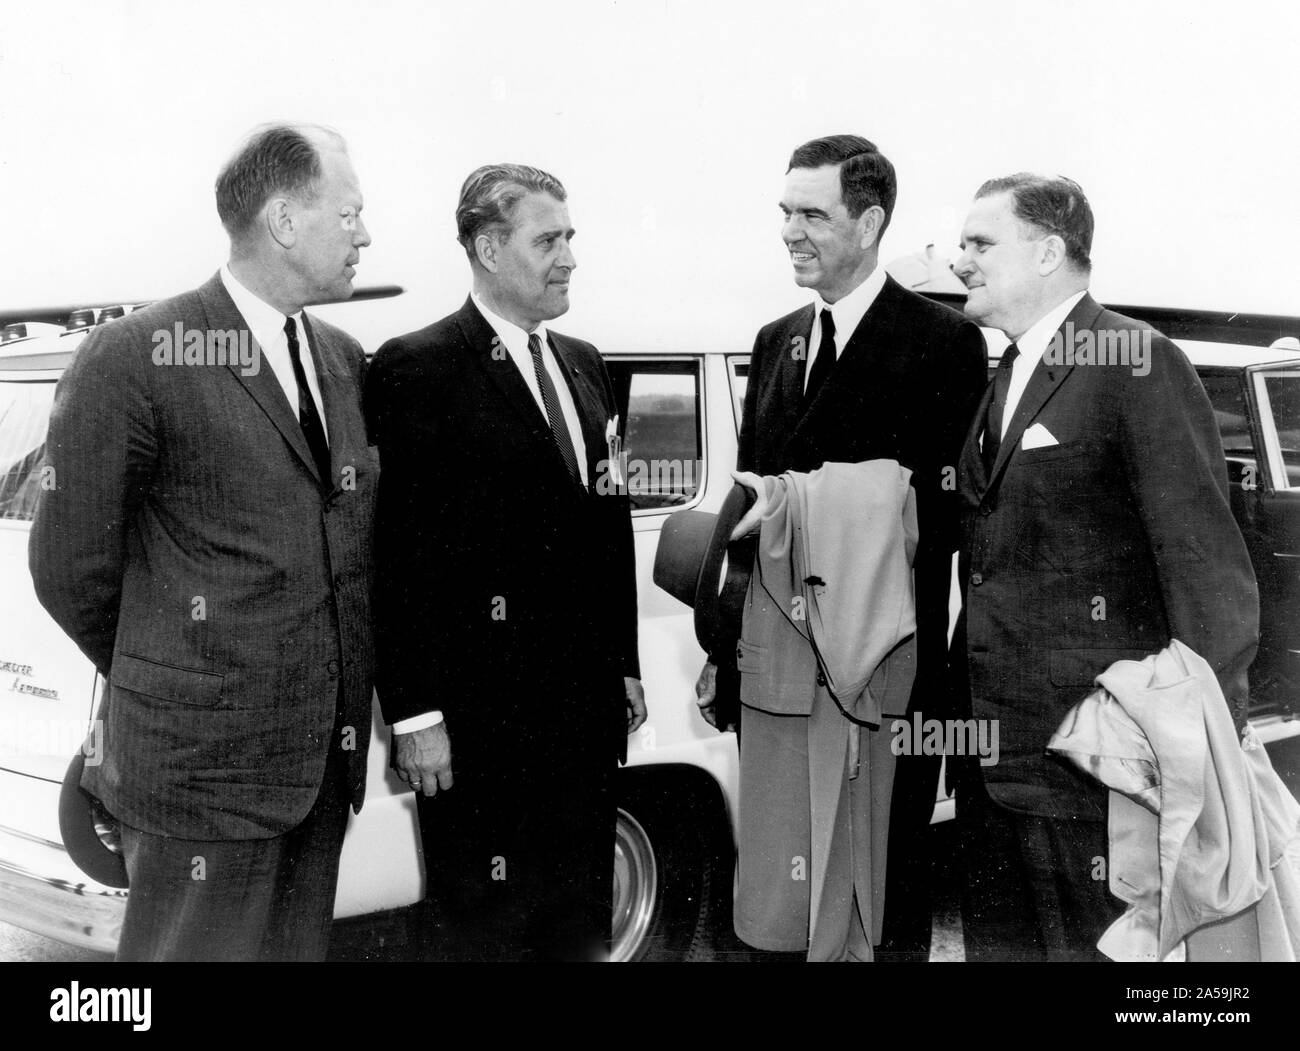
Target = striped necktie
(559,431)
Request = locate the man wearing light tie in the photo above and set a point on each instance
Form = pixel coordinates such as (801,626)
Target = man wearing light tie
(507,601)
(1096,528)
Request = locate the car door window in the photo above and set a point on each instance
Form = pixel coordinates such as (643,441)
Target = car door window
(662,436)
(1277,390)
(24,418)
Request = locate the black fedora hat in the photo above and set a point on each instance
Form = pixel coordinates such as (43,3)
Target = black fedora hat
(693,546)
(79,814)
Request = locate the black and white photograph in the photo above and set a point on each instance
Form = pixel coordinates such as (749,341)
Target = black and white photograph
(638,481)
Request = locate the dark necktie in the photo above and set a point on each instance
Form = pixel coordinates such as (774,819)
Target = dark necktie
(997,406)
(308,418)
(824,364)
(559,430)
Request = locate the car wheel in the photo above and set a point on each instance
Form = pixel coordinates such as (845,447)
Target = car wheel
(672,867)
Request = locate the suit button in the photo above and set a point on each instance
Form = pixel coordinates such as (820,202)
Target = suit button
(985,510)
(976,579)
(333,667)
(821,678)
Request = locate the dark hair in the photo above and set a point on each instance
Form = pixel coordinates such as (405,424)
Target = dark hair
(1054,205)
(866,176)
(275,158)
(491,194)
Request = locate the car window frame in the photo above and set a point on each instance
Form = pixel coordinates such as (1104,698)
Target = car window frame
(701,422)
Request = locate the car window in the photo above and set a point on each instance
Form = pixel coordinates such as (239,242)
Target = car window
(1278,392)
(24,419)
(662,437)
(1228,398)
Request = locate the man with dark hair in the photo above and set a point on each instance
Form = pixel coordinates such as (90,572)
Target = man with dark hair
(868,371)
(1096,528)
(507,598)
(208,547)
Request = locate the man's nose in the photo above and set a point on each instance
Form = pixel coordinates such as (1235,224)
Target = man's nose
(792,230)
(566,259)
(963,268)
(360,236)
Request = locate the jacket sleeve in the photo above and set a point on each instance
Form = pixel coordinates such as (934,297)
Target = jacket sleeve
(617,508)
(1174,461)
(101,451)
(959,377)
(400,422)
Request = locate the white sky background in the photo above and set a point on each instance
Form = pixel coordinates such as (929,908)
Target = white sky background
(670,123)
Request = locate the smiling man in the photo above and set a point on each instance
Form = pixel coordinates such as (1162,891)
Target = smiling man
(507,596)
(208,546)
(1096,528)
(866,371)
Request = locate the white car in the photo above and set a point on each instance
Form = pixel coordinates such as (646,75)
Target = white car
(674,855)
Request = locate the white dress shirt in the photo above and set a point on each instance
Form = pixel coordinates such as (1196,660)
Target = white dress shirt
(847,312)
(515,341)
(1032,346)
(266,324)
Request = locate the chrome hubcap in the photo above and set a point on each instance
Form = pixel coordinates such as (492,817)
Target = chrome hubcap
(636,884)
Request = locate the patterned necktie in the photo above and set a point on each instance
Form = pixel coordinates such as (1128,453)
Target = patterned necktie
(824,364)
(308,418)
(559,431)
(997,406)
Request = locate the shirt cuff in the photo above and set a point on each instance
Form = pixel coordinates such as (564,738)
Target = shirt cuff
(417,722)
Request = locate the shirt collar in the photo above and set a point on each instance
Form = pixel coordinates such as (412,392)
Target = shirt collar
(850,310)
(265,320)
(1034,342)
(514,337)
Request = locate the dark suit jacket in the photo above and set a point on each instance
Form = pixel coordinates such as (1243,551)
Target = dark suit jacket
(1102,547)
(904,388)
(193,554)
(507,594)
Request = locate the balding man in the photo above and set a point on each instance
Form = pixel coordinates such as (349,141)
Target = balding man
(208,547)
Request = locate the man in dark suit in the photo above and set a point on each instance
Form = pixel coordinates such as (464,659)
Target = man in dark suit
(869,371)
(208,546)
(507,596)
(1096,528)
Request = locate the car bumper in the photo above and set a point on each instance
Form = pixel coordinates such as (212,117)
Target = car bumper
(41,890)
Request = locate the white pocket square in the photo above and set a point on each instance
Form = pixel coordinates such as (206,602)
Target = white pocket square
(1037,437)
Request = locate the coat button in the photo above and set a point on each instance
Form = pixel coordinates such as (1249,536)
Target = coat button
(976,579)
(333,667)
(985,510)
(821,678)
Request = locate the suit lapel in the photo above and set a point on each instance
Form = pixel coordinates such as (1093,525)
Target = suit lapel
(793,369)
(220,312)
(1044,382)
(481,340)
(972,456)
(587,399)
(335,392)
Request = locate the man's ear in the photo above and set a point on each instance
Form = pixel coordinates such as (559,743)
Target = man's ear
(485,251)
(279,216)
(1051,255)
(869,224)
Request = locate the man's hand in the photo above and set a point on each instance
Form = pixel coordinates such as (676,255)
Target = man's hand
(706,693)
(755,484)
(636,714)
(423,759)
